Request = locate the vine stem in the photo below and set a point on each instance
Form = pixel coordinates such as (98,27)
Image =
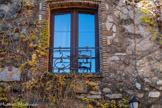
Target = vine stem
(135,48)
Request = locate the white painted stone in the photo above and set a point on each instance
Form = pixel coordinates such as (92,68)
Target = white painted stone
(114,34)
(108,41)
(40,17)
(114,58)
(94,92)
(107,6)
(138,85)
(13,75)
(159,82)
(120,54)
(110,18)
(154,94)
(109,26)
(94,96)
(40,5)
(106,90)
(114,96)
(114,28)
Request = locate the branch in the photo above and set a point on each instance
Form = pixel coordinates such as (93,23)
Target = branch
(148,52)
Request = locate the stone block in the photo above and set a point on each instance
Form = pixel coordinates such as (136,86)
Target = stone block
(138,85)
(154,94)
(114,28)
(130,92)
(94,96)
(110,18)
(156,106)
(114,58)
(106,90)
(107,6)
(159,82)
(146,80)
(109,40)
(95,92)
(109,26)
(120,54)
(140,95)
(114,96)
(114,34)
(160,88)
(10,74)
(11,14)
(80,96)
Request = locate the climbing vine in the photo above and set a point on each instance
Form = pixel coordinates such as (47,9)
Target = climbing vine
(152,18)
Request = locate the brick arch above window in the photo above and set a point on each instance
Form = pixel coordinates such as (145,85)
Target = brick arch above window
(56,4)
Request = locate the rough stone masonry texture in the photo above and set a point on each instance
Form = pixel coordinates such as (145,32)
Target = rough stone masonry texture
(116,35)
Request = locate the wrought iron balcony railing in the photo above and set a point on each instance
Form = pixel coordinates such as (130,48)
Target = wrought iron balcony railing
(74,59)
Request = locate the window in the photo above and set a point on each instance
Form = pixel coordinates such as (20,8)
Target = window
(74,42)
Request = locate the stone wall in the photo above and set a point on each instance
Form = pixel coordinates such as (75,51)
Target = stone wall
(124,75)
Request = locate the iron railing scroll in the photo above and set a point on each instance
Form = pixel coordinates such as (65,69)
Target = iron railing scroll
(73,59)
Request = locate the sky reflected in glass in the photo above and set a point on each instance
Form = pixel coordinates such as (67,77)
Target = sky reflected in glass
(62,35)
(86,37)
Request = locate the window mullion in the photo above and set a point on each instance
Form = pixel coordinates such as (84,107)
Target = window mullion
(74,41)
(75,38)
(97,44)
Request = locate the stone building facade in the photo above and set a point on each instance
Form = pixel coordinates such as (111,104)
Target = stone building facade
(130,63)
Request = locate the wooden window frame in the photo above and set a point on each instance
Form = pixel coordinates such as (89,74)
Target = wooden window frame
(74,31)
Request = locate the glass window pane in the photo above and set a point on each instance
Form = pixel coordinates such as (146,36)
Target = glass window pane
(62,22)
(61,39)
(62,30)
(62,36)
(86,23)
(86,30)
(87,38)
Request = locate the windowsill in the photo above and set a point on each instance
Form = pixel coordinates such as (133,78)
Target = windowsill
(78,75)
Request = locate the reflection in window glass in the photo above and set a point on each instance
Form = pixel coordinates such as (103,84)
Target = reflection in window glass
(62,30)
(87,38)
